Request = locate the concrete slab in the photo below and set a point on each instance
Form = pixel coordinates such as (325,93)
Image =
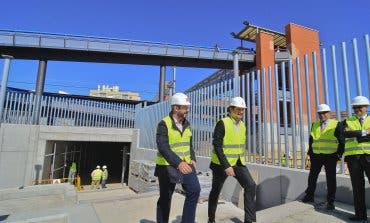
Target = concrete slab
(123,205)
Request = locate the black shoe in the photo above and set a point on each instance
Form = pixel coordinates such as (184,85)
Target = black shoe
(210,221)
(356,218)
(307,199)
(330,206)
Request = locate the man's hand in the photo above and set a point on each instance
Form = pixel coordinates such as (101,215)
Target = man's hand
(368,131)
(184,168)
(230,172)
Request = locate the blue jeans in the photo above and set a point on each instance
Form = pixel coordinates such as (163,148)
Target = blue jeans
(166,188)
(103,182)
(71,176)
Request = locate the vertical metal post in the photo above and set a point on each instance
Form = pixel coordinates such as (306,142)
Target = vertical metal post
(357,67)
(292,113)
(346,82)
(316,80)
(285,114)
(308,90)
(236,73)
(335,79)
(4,83)
(253,117)
(277,114)
(368,60)
(248,92)
(162,79)
(53,163)
(300,110)
(272,127)
(325,77)
(258,94)
(265,143)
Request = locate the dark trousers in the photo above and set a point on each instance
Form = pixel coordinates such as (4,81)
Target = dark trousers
(357,165)
(246,181)
(166,188)
(330,163)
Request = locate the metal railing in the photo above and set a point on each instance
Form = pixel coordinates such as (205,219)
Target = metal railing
(27,108)
(278,133)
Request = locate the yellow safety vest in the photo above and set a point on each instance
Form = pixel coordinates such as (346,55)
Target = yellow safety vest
(324,142)
(96,174)
(233,143)
(353,147)
(179,144)
(105,175)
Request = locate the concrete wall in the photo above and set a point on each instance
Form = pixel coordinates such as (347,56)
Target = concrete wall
(23,147)
(275,185)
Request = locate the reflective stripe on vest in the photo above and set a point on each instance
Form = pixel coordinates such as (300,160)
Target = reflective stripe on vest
(233,143)
(324,142)
(179,144)
(353,147)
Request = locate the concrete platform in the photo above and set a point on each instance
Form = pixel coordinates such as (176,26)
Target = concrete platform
(123,205)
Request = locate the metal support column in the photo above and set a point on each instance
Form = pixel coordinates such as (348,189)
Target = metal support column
(162,79)
(41,77)
(4,82)
(40,83)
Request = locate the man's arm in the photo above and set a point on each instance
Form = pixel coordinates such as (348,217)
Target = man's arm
(164,146)
(338,133)
(350,133)
(310,141)
(218,136)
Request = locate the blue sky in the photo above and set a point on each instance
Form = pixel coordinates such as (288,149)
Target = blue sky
(191,22)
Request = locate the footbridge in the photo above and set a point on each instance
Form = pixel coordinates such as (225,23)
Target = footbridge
(43,46)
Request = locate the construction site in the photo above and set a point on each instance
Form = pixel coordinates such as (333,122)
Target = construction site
(282,79)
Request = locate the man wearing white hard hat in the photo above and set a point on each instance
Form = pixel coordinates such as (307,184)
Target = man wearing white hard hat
(326,147)
(228,159)
(176,161)
(357,153)
(96,177)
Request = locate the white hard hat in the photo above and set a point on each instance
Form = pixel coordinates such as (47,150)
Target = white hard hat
(323,108)
(104,167)
(97,167)
(180,99)
(360,100)
(238,102)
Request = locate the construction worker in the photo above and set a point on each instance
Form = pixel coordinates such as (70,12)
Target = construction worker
(357,153)
(326,147)
(228,159)
(104,177)
(96,176)
(72,173)
(176,161)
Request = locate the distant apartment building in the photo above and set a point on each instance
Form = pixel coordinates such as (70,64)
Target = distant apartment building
(105,91)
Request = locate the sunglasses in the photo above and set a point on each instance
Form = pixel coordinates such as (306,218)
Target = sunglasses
(357,107)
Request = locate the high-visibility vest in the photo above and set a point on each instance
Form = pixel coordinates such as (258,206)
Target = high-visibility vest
(353,147)
(105,174)
(96,174)
(73,168)
(233,144)
(324,142)
(179,143)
